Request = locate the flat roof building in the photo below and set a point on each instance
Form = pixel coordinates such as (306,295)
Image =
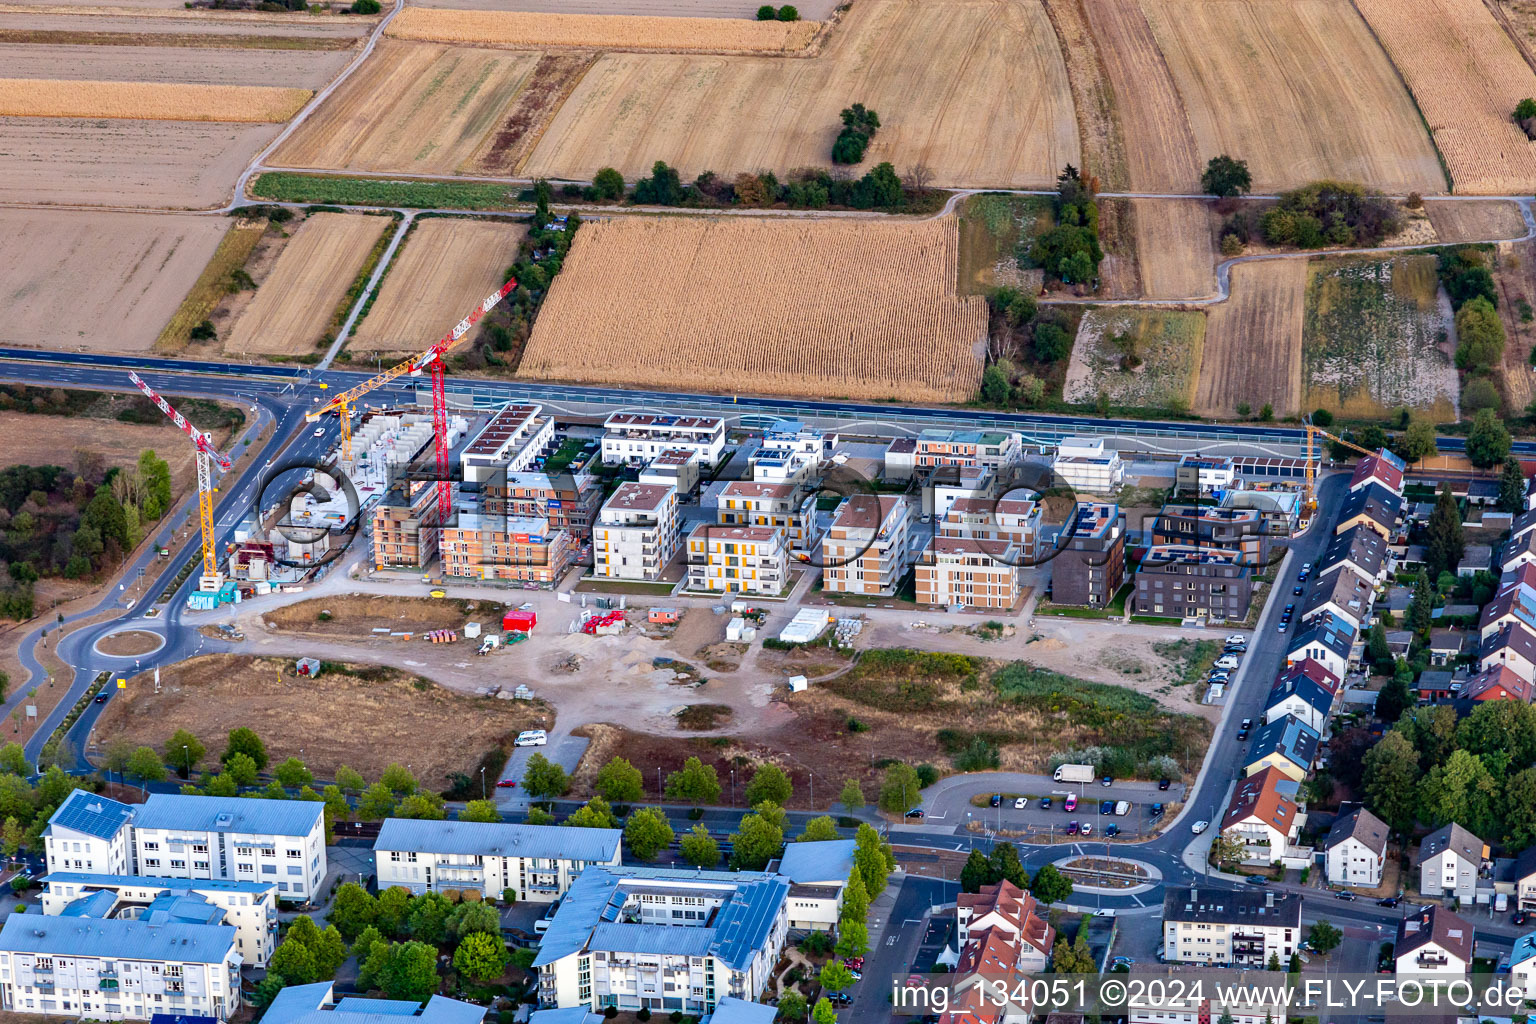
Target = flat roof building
(539,862)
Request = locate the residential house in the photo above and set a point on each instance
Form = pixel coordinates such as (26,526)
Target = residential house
(1518,552)
(1435,684)
(1360,549)
(1510,606)
(1433,942)
(1229,927)
(790,450)
(1383,468)
(963,572)
(1514,647)
(1202,474)
(636,438)
(1004,907)
(567,500)
(89,833)
(865,550)
(1444,645)
(740,559)
(1302,698)
(1086,464)
(1016,520)
(937,448)
(1307,668)
(1449,860)
(637,532)
(1355,852)
(1475,559)
(1344,593)
(1089,568)
(1498,683)
(1189,580)
(1522,962)
(677,468)
(538,862)
(1198,995)
(510,442)
(1374,507)
(404,526)
(1329,641)
(1281,510)
(1523,875)
(1265,814)
(1287,744)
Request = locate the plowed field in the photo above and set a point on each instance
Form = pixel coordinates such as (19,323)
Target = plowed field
(1252,349)
(294,304)
(443,271)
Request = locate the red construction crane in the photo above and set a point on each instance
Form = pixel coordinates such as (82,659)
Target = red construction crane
(430,359)
(207,454)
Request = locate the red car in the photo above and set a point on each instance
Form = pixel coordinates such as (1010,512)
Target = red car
(506,784)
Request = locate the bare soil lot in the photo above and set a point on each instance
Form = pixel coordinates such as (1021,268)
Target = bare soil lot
(104,162)
(356,615)
(33,440)
(130,642)
(296,301)
(103,282)
(445,269)
(362,717)
(305,69)
(1253,341)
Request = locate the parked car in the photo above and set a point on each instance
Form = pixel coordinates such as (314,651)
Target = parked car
(997,799)
(531,738)
(1237,638)
(1045,803)
(1247,724)
(1199,826)
(1164,784)
(1297,591)
(1087,828)
(1107,807)
(1347,897)
(1284,626)
(1072,828)
(506,784)
(1242,733)
(1071,803)
(1155,811)
(1107,781)
(916,812)
(1020,803)
(1227,662)
(1257,880)
(1392,901)
(1519,917)
(1111,830)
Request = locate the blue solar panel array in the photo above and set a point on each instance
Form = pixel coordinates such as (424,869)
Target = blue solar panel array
(92,814)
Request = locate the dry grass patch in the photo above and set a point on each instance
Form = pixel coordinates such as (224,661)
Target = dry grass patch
(1475,221)
(293,306)
(411,107)
(40,440)
(389,715)
(1252,352)
(445,269)
(975,90)
(213,284)
(1146,358)
(99,282)
(1467,77)
(131,642)
(154,101)
(358,615)
(822,307)
(602,31)
(70,37)
(1175,250)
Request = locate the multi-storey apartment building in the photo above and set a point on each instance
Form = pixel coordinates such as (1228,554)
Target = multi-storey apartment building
(1090,565)
(635,438)
(248,907)
(968,573)
(1016,520)
(1088,465)
(116,969)
(674,468)
(200,837)
(779,506)
(539,862)
(666,940)
(317,1004)
(1241,530)
(789,451)
(1355,852)
(508,443)
(1232,928)
(637,532)
(1449,861)
(482,547)
(404,525)
(865,550)
(740,559)
(967,448)
(569,500)
(1189,580)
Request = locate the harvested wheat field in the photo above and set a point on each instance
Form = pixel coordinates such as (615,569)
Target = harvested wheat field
(1252,352)
(1477,221)
(828,308)
(183,164)
(812,10)
(410,107)
(1371,338)
(1147,358)
(445,269)
(101,282)
(308,69)
(1175,248)
(1467,77)
(602,32)
(153,101)
(506,150)
(1299,89)
(390,715)
(293,306)
(147,24)
(976,90)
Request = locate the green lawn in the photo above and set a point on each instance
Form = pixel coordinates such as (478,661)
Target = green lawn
(285,186)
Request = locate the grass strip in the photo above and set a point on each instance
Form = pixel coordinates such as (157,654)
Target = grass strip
(290,187)
(211,285)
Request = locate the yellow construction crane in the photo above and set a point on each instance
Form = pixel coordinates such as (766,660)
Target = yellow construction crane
(1310,504)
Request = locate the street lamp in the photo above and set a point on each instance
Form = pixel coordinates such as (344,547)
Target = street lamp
(187,756)
(482,782)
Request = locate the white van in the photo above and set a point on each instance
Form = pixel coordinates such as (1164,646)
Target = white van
(532,738)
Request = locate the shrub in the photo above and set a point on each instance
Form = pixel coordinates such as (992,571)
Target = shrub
(1231,245)
(788,13)
(203,332)
(859,126)
(766,13)
(1052,343)
(1479,394)
(1330,213)
(365,6)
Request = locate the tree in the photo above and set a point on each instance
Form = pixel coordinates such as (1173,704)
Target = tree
(1005,864)
(1226,177)
(694,783)
(822,1012)
(900,789)
(427,918)
(293,960)
(222,784)
(855,897)
(758,840)
(12,835)
(1479,337)
(470,917)
(543,779)
(13,759)
(1391,774)
(1460,790)
(873,858)
(1512,487)
(480,810)
(376,803)
(394,905)
(852,796)
(422,806)
(245,741)
(1397,695)
(1325,938)
(1050,885)
(995,389)
(699,848)
(1274,962)
(859,126)
(1227,848)
(1520,809)
(1051,342)
(819,830)
(399,779)
(481,956)
(184,750)
(976,873)
(1376,649)
(662,188)
(620,782)
(835,976)
(412,972)
(146,764)
(852,938)
(609,183)
(772,813)
(1444,540)
(647,833)
(792,1007)
(1421,609)
(788,13)
(353,910)
(1417,441)
(595,813)
(292,774)
(268,988)
(349,780)
(1488,441)
(769,783)
(242,769)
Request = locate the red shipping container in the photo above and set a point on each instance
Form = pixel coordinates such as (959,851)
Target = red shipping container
(519,621)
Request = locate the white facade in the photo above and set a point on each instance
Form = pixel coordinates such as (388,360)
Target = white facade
(1351,862)
(538,861)
(778,506)
(637,532)
(1226,928)
(1087,465)
(637,438)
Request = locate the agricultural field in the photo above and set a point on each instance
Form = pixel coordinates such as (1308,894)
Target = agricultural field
(156,101)
(183,164)
(974,90)
(811,10)
(1175,248)
(294,304)
(1298,89)
(764,307)
(444,269)
(995,234)
(1253,342)
(306,69)
(1146,358)
(1476,221)
(1467,77)
(1514,274)
(550,84)
(601,32)
(146,24)
(410,107)
(1370,338)
(98,282)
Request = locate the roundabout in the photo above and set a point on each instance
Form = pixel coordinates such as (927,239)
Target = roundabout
(129,643)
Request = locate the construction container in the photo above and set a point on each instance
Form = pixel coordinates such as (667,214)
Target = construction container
(663,616)
(471,630)
(519,621)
